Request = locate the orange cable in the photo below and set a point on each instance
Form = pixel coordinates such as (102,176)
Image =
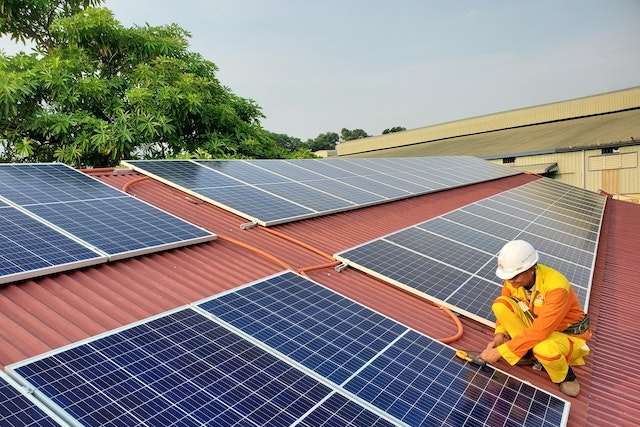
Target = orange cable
(257,251)
(318,267)
(298,242)
(458,323)
(128,184)
(303,271)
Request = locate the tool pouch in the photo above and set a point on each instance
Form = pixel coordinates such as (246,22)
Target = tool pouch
(580,327)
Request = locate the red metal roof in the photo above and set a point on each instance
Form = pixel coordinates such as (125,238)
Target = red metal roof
(42,314)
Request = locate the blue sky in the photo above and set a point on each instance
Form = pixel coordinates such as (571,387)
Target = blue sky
(320,66)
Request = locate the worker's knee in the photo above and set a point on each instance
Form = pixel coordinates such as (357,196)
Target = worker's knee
(548,350)
(502,305)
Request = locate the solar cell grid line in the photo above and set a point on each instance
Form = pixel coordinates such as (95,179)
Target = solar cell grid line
(449,261)
(254,204)
(323,331)
(342,190)
(18,408)
(29,248)
(121,227)
(183,174)
(470,236)
(413,378)
(391,179)
(309,197)
(179,368)
(419,381)
(328,168)
(293,170)
(338,410)
(32,183)
(244,171)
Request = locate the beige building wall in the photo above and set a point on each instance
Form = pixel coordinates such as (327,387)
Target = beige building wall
(616,173)
(581,107)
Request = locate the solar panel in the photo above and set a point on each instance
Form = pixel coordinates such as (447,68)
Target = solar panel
(18,408)
(409,376)
(451,259)
(270,192)
(182,368)
(29,248)
(290,352)
(74,218)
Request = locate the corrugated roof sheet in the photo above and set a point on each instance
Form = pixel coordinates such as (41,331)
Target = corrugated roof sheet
(42,314)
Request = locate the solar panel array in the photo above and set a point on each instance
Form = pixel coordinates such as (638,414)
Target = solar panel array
(18,408)
(270,192)
(451,259)
(56,218)
(280,351)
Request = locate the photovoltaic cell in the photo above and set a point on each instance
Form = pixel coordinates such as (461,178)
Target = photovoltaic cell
(409,376)
(179,369)
(451,259)
(323,331)
(121,226)
(298,189)
(19,409)
(28,247)
(55,218)
(190,367)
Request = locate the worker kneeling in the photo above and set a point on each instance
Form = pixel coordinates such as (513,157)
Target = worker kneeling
(538,317)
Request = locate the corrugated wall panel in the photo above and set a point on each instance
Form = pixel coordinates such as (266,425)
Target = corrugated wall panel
(587,106)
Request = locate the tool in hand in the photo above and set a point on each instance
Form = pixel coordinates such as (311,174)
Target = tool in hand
(469,358)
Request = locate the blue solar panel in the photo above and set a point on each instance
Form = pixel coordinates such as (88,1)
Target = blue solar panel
(17,408)
(29,248)
(121,226)
(419,381)
(451,259)
(407,375)
(184,369)
(53,207)
(281,351)
(298,189)
(36,183)
(323,331)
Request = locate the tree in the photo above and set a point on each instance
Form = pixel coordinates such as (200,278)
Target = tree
(348,135)
(94,92)
(393,129)
(324,141)
(287,142)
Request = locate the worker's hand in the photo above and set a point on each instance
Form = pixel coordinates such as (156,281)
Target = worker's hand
(498,339)
(490,355)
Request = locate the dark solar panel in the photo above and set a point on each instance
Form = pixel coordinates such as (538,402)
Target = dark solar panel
(403,373)
(281,351)
(55,218)
(451,259)
(298,189)
(29,248)
(18,409)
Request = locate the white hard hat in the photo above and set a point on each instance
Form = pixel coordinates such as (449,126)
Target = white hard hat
(514,258)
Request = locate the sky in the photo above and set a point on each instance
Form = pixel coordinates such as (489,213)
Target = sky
(320,66)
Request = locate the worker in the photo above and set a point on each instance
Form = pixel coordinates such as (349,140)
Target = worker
(538,318)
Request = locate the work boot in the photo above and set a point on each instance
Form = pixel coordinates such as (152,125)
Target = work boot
(570,386)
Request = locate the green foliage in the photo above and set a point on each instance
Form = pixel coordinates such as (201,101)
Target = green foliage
(348,135)
(324,141)
(95,92)
(393,129)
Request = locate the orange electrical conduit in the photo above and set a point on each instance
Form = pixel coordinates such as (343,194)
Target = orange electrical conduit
(128,184)
(304,270)
(451,314)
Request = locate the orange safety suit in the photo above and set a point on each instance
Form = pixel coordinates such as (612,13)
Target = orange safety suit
(555,306)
